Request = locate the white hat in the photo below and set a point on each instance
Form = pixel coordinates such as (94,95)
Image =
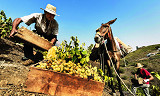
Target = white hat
(139,65)
(50,9)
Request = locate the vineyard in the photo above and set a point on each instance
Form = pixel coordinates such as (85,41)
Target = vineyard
(70,58)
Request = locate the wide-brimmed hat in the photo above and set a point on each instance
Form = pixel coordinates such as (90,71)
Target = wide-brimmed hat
(139,65)
(50,9)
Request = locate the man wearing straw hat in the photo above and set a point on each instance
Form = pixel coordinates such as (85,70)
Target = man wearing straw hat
(45,25)
(143,73)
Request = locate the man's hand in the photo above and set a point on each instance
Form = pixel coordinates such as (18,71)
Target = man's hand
(145,80)
(135,76)
(53,41)
(13,32)
(15,24)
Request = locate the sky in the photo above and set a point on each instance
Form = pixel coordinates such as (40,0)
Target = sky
(137,24)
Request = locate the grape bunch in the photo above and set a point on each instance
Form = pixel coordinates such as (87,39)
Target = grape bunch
(71,68)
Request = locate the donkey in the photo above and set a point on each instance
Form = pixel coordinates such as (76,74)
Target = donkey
(104,33)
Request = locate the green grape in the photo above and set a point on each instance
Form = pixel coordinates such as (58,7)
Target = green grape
(85,76)
(57,69)
(82,70)
(39,66)
(71,72)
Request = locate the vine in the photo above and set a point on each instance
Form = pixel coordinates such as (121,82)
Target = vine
(5,25)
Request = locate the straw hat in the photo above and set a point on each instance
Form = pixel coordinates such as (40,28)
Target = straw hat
(50,9)
(139,65)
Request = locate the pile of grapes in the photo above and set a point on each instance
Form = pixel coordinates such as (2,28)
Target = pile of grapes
(70,68)
(70,60)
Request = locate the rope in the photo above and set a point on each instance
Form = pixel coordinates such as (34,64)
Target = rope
(125,62)
(116,71)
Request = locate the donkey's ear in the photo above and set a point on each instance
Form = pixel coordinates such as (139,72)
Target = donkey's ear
(112,21)
(97,30)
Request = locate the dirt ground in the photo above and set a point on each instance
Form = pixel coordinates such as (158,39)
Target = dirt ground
(13,74)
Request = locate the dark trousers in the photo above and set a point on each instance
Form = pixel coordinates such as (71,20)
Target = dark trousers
(28,51)
(28,54)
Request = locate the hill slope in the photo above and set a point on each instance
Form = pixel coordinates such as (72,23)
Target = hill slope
(151,63)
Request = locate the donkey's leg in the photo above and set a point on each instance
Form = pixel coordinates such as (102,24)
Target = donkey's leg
(119,82)
(110,75)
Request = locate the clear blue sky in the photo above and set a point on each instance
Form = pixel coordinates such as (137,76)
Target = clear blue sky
(138,21)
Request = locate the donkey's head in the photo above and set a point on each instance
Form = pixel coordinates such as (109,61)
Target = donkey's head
(104,31)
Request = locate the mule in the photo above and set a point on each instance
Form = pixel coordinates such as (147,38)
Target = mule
(103,35)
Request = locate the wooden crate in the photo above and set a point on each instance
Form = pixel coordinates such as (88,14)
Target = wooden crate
(61,84)
(140,80)
(28,36)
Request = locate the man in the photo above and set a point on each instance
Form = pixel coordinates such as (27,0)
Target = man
(143,73)
(45,25)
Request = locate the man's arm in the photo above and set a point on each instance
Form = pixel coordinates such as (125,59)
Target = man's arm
(15,24)
(53,41)
(135,76)
(151,77)
(146,80)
